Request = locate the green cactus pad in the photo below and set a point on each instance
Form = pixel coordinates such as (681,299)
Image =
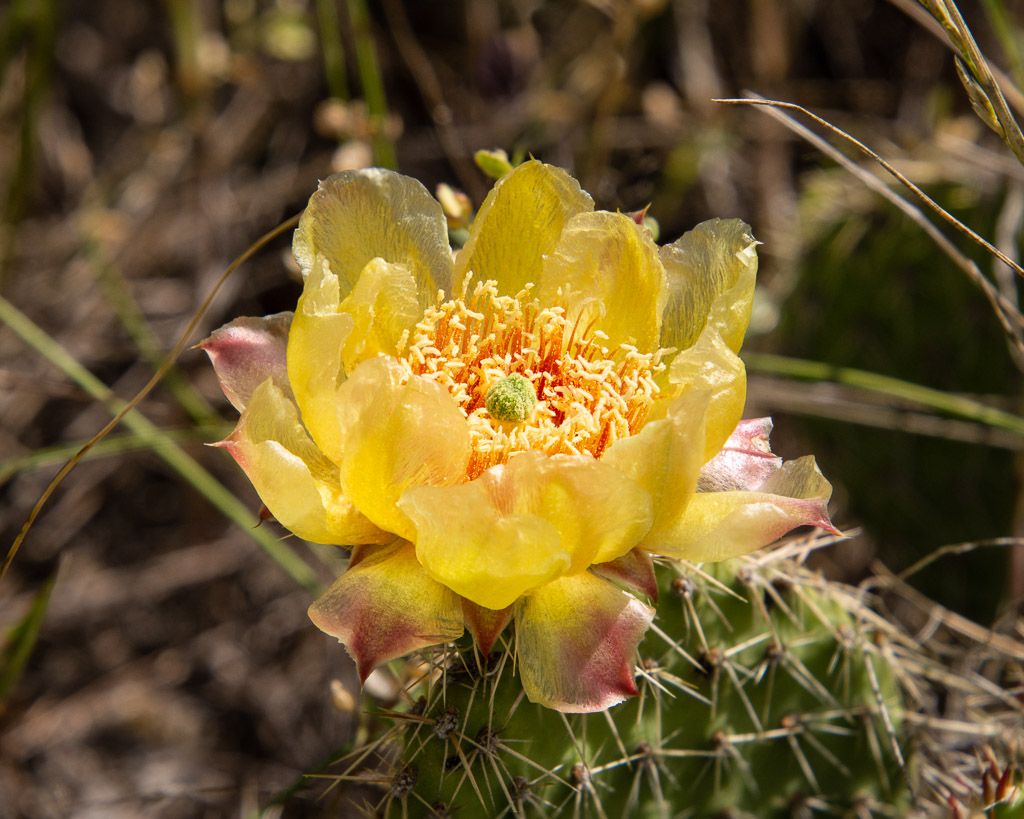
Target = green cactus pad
(762,693)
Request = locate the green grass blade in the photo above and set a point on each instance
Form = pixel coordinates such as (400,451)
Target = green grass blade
(112,445)
(332,48)
(1008,34)
(21,639)
(955,405)
(40,30)
(186,29)
(214,491)
(372,82)
(127,310)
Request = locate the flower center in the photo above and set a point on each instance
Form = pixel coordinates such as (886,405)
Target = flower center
(527,378)
(511,399)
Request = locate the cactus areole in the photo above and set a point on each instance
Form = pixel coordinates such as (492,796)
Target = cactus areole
(510,433)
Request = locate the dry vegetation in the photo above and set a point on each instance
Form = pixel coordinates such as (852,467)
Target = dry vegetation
(144,145)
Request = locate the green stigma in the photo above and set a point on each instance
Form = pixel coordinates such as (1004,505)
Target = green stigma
(511,399)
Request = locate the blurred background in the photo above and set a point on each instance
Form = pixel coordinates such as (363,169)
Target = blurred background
(156,661)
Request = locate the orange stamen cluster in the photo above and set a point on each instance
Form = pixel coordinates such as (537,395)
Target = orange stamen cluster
(587,396)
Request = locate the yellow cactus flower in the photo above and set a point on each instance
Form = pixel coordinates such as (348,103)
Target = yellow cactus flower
(511,433)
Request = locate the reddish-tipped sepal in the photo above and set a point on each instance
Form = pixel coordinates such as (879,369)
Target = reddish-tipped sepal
(634,570)
(247,352)
(746,460)
(486,625)
(385,606)
(727,524)
(576,640)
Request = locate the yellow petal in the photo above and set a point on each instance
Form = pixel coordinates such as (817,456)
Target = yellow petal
(519,222)
(330,336)
(361,215)
(576,640)
(318,334)
(665,458)
(711,273)
(397,435)
(523,523)
(246,352)
(488,558)
(293,478)
(385,606)
(711,367)
(722,525)
(383,304)
(607,267)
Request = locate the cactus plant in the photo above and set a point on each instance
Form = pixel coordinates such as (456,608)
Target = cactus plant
(763,691)
(509,437)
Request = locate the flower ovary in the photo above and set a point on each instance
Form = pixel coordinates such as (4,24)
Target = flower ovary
(511,399)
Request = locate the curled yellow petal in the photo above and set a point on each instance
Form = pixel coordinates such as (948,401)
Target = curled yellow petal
(576,639)
(518,223)
(397,431)
(293,478)
(711,273)
(710,366)
(383,304)
(357,216)
(606,267)
(385,606)
(318,334)
(523,523)
(330,336)
(665,458)
(722,525)
(476,539)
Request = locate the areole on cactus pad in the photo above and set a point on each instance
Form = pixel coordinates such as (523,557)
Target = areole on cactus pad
(509,434)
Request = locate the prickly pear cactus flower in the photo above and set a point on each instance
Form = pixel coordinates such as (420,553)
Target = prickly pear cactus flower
(511,433)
